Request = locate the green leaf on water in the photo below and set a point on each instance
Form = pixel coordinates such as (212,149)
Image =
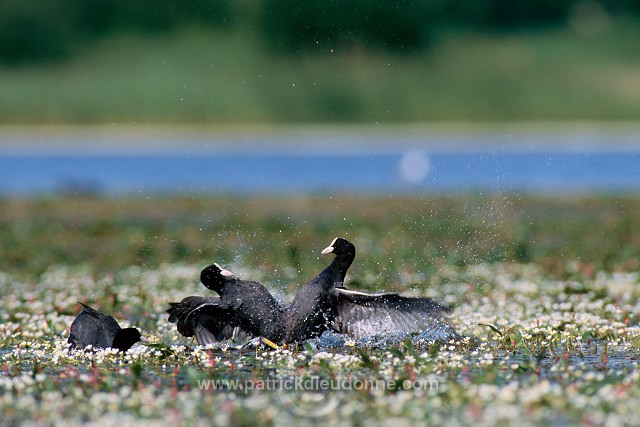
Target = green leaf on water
(490,326)
(396,352)
(308,347)
(137,369)
(408,345)
(434,349)
(366,360)
(165,350)
(635,342)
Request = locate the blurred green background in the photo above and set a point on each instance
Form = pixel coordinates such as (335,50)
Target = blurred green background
(216,62)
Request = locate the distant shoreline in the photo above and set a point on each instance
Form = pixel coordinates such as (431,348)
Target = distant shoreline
(320,139)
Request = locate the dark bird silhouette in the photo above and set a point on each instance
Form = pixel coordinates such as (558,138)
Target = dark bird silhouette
(325,304)
(313,308)
(247,309)
(244,309)
(100,331)
(360,314)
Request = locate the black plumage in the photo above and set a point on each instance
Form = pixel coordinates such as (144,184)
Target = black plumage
(206,318)
(244,309)
(359,314)
(247,309)
(325,304)
(313,308)
(93,328)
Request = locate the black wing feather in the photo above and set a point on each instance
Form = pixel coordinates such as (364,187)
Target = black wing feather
(360,314)
(206,318)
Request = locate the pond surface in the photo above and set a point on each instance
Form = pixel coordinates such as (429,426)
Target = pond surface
(301,163)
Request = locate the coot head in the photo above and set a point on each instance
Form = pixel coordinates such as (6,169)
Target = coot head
(125,338)
(312,309)
(340,246)
(214,277)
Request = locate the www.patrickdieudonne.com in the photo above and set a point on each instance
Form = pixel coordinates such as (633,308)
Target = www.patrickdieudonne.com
(317,384)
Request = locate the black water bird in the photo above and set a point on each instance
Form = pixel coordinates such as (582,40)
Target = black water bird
(247,309)
(325,304)
(93,328)
(244,309)
(312,310)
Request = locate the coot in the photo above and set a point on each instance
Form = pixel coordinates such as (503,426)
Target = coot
(313,308)
(325,304)
(100,331)
(247,309)
(244,309)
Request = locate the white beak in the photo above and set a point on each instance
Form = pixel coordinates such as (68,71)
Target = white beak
(226,273)
(223,272)
(327,250)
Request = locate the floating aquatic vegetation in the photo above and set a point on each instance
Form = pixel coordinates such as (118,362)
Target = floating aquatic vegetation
(531,349)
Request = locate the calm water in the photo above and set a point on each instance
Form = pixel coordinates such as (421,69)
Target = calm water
(379,167)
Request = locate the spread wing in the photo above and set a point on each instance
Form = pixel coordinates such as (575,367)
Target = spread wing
(360,314)
(206,318)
